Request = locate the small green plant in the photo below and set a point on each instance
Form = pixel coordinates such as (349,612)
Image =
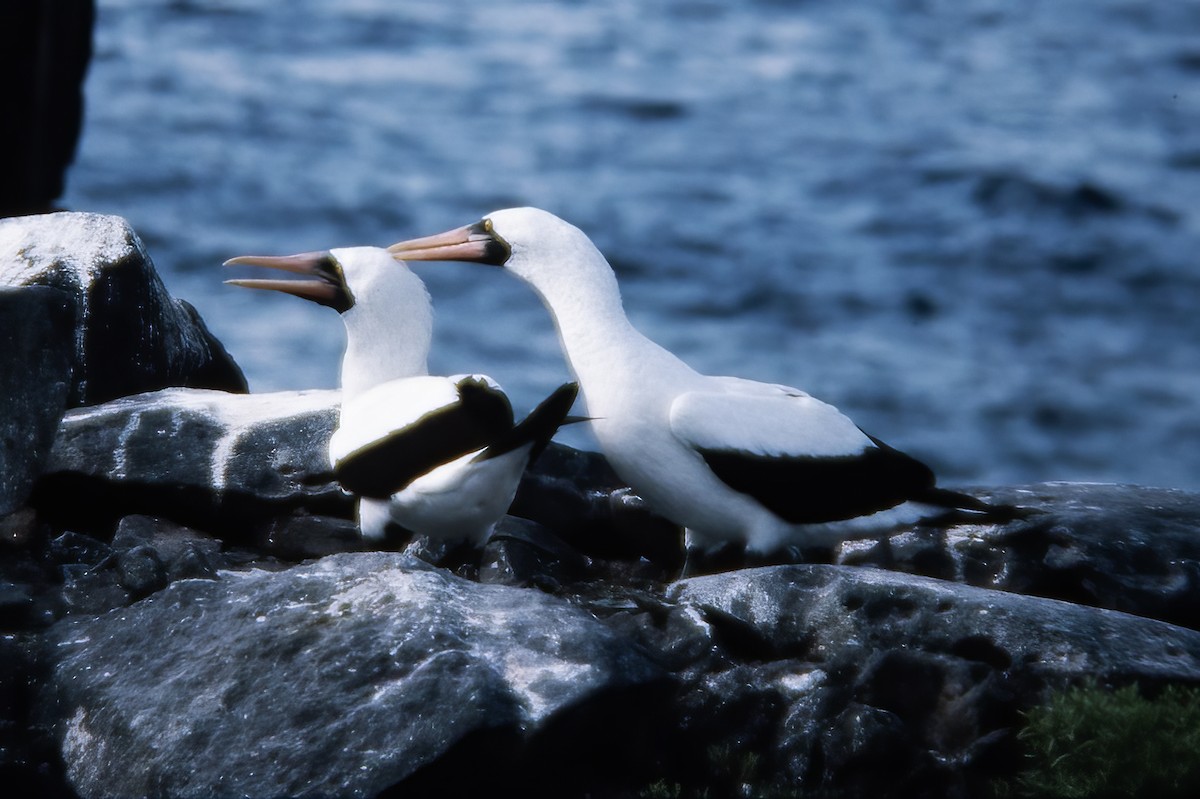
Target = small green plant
(661,789)
(1089,742)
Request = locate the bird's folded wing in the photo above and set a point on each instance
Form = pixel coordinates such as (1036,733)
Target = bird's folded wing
(400,430)
(538,427)
(799,457)
(764,420)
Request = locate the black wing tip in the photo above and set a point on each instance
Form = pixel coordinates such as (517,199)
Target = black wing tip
(564,396)
(977,509)
(973,508)
(539,426)
(571,418)
(809,489)
(919,472)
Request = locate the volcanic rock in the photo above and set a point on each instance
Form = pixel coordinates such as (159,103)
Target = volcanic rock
(205,458)
(340,678)
(37,327)
(861,680)
(1121,547)
(132,335)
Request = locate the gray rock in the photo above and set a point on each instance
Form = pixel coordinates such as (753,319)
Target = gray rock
(301,536)
(340,678)
(141,571)
(73,548)
(19,529)
(132,336)
(1125,548)
(862,680)
(36,355)
(834,613)
(523,553)
(91,590)
(203,458)
(184,553)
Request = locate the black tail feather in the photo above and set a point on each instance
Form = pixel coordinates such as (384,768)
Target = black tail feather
(964,508)
(538,427)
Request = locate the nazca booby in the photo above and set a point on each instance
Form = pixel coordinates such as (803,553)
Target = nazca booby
(766,468)
(438,456)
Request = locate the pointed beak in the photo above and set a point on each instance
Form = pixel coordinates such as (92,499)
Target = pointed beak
(477,243)
(327,287)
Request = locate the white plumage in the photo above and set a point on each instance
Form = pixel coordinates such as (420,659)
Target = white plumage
(732,460)
(438,456)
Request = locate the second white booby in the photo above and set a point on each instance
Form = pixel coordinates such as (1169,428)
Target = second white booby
(439,456)
(763,466)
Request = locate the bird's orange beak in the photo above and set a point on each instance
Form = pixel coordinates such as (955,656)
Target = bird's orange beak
(477,243)
(326,288)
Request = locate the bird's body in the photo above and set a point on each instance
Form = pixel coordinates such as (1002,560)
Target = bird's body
(731,460)
(437,456)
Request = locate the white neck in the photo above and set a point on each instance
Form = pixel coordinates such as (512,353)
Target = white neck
(604,350)
(388,335)
(374,354)
(390,325)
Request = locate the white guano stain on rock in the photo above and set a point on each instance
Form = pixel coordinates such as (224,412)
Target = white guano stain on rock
(530,673)
(79,742)
(79,242)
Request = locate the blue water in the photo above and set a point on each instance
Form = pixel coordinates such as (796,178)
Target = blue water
(973,225)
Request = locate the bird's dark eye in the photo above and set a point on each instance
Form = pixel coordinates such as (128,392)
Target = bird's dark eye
(329,271)
(498,251)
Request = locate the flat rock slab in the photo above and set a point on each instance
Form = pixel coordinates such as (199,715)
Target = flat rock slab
(131,334)
(1121,547)
(194,455)
(864,682)
(834,613)
(340,678)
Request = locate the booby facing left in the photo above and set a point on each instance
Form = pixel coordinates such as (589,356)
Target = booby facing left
(756,465)
(439,456)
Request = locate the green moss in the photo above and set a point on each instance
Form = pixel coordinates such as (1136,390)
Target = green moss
(1089,742)
(662,790)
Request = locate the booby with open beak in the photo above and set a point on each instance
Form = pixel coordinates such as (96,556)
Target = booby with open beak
(439,456)
(760,466)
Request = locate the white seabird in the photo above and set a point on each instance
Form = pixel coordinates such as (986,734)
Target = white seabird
(438,456)
(765,467)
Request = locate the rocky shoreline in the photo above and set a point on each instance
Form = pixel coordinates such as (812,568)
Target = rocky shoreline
(187,609)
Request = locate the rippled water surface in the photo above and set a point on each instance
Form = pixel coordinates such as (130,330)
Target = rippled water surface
(973,225)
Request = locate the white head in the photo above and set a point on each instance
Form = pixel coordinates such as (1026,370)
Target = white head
(385,307)
(552,255)
(383,293)
(529,242)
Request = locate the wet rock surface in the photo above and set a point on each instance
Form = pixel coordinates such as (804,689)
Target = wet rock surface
(36,358)
(861,681)
(182,586)
(207,457)
(342,677)
(131,334)
(1120,547)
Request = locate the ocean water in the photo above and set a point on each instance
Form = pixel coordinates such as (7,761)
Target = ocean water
(973,225)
